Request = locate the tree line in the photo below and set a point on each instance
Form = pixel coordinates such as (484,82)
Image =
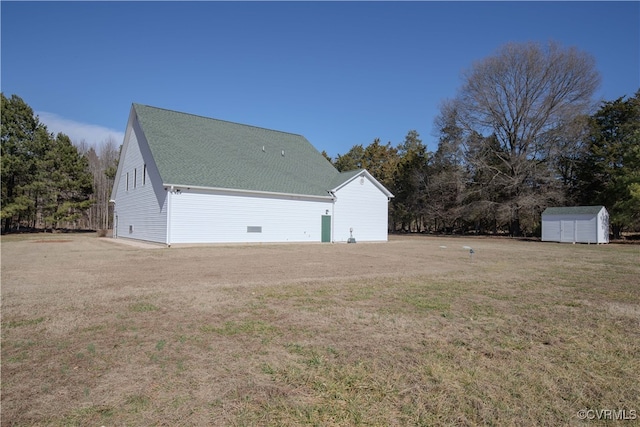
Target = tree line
(47,181)
(520,135)
(517,138)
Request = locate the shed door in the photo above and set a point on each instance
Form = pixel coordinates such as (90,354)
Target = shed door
(326,228)
(567,230)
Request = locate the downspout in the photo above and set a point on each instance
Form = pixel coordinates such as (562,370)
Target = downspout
(333,208)
(114,234)
(169,216)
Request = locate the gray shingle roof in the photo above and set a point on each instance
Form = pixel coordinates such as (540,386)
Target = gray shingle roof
(573,210)
(203,152)
(343,177)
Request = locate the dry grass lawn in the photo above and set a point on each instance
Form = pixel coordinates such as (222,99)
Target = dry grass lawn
(409,332)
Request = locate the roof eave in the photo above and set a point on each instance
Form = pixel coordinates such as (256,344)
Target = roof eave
(328,197)
(375,182)
(123,149)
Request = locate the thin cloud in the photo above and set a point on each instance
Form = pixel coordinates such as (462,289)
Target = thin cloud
(93,135)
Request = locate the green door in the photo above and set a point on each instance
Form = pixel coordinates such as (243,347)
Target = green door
(326,228)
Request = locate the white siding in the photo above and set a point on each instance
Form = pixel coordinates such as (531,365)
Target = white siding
(362,206)
(140,210)
(550,229)
(207,217)
(567,230)
(603,226)
(586,229)
(576,228)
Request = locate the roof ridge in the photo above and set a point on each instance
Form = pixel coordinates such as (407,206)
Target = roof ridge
(219,120)
(583,209)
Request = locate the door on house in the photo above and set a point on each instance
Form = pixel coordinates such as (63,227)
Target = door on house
(567,231)
(326,228)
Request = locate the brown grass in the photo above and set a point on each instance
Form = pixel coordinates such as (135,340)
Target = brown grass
(402,333)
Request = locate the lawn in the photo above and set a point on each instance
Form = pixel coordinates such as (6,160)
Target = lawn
(410,332)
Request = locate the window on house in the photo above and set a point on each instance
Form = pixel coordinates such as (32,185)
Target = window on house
(135,178)
(127,181)
(254,229)
(144,175)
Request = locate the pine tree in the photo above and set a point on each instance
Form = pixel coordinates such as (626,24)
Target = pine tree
(45,180)
(609,173)
(19,139)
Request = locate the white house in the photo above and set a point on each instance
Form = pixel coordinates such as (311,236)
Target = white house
(184,178)
(578,224)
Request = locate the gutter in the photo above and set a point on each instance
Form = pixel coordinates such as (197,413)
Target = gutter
(333,210)
(171,189)
(249,192)
(115,219)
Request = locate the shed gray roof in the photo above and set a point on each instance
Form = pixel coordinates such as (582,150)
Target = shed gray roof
(203,152)
(573,210)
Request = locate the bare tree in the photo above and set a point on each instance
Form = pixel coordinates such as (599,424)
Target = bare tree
(522,98)
(109,155)
(102,164)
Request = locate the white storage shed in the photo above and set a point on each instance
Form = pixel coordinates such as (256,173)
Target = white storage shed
(190,179)
(576,224)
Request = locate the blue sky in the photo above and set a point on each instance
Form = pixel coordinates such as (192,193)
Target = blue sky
(338,73)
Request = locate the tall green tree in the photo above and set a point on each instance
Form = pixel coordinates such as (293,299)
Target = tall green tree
(351,160)
(610,170)
(410,181)
(450,174)
(20,141)
(45,180)
(381,162)
(69,182)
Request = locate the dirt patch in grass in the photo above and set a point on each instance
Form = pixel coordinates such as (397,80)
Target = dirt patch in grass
(409,332)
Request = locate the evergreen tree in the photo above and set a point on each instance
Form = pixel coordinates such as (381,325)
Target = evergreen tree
(381,162)
(352,160)
(610,170)
(410,181)
(20,139)
(449,175)
(68,180)
(44,178)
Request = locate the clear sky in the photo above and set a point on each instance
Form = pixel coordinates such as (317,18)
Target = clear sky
(339,73)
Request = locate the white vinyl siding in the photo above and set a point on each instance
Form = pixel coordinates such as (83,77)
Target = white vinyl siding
(586,229)
(140,210)
(219,217)
(603,226)
(572,228)
(362,206)
(551,229)
(567,230)
(150,209)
